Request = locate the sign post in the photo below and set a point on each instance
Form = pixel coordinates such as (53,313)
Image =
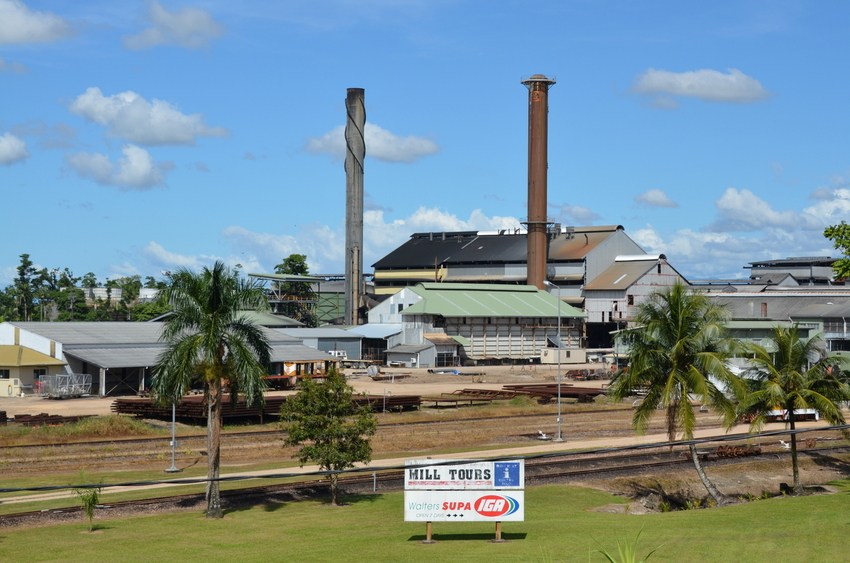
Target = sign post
(480,491)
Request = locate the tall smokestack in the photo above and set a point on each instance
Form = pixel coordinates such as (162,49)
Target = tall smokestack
(538,138)
(355,145)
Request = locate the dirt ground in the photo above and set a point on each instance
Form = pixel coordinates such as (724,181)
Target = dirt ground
(408,382)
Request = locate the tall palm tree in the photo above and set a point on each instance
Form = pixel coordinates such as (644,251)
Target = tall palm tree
(792,378)
(210,340)
(678,349)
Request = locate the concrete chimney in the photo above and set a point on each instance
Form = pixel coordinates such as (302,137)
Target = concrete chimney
(355,144)
(538,141)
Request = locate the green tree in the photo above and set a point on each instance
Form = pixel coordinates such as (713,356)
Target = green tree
(71,306)
(296,294)
(25,288)
(89,281)
(146,311)
(332,430)
(840,237)
(208,338)
(793,377)
(153,283)
(678,350)
(89,497)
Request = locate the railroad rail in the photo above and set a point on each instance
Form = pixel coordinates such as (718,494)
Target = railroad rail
(551,470)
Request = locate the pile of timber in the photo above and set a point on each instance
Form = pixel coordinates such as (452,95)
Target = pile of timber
(547,392)
(44,419)
(390,402)
(193,407)
(472,396)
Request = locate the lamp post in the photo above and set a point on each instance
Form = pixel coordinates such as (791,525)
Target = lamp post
(173,468)
(559,438)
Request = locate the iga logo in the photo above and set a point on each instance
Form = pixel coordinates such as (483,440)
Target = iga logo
(496,505)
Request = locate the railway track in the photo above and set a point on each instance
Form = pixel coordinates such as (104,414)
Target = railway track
(264,445)
(281,433)
(549,470)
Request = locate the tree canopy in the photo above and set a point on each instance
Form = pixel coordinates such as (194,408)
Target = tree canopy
(791,378)
(678,350)
(332,430)
(840,237)
(210,340)
(54,294)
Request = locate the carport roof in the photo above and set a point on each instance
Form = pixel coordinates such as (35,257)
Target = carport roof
(13,355)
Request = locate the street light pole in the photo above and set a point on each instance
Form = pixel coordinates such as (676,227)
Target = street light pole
(559,438)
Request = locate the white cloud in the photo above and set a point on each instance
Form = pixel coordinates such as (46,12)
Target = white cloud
(136,170)
(743,211)
(707,255)
(575,214)
(11,67)
(131,117)
(380,144)
(12,149)
(160,258)
(325,246)
(655,198)
(19,24)
(57,136)
(833,208)
(716,251)
(191,28)
(707,85)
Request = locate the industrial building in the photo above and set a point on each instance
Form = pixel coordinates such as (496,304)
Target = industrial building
(448,324)
(116,357)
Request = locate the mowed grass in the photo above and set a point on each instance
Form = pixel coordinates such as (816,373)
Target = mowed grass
(558,527)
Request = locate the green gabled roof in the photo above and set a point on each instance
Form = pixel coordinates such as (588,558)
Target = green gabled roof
(486,300)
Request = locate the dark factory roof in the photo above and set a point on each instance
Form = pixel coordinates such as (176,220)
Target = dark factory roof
(422,250)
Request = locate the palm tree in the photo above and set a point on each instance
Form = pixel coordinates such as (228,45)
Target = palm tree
(211,341)
(788,379)
(678,350)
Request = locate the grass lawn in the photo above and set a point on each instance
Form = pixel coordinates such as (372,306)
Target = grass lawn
(558,527)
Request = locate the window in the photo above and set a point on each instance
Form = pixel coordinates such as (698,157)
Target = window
(833,325)
(5,373)
(38,372)
(630,299)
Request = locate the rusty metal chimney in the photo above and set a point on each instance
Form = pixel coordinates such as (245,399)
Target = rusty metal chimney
(355,144)
(538,137)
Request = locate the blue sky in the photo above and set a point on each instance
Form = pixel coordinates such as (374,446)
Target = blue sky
(138,136)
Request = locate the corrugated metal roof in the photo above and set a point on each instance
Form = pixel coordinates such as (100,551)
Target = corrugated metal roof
(377,330)
(440,339)
(320,332)
(423,250)
(484,300)
(70,334)
(408,348)
(12,355)
(147,356)
(297,353)
(101,334)
(269,320)
(110,358)
(619,275)
(462,340)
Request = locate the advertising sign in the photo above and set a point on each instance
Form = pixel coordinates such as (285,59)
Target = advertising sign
(480,475)
(464,506)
